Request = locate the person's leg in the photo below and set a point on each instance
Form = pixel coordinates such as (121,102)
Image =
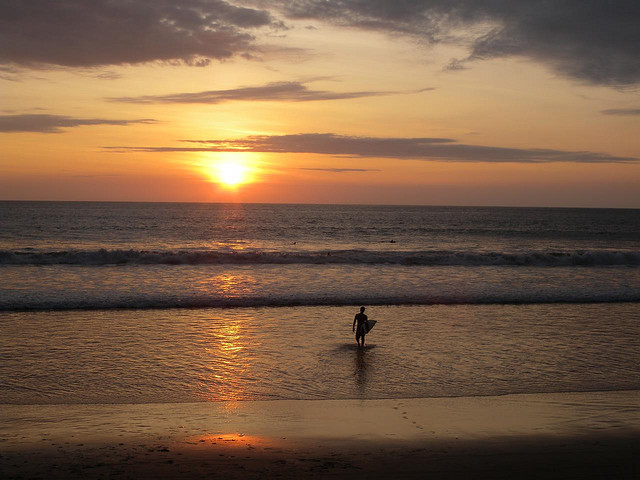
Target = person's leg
(358,336)
(363,339)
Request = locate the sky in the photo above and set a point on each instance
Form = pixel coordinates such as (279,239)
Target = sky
(442,102)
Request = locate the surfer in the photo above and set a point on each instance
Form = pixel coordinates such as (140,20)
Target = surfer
(360,326)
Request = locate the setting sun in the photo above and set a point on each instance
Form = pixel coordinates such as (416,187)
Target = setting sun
(231,174)
(229,169)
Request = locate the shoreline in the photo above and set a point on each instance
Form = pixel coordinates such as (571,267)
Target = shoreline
(559,435)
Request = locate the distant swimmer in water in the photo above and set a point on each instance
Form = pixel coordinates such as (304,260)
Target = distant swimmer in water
(360,326)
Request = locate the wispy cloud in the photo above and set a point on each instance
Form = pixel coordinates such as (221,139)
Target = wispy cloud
(275,91)
(42,123)
(589,40)
(9,73)
(106,75)
(341,170)
(426,148)
(621,111)
(77,33)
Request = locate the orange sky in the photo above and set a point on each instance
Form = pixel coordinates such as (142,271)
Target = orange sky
(317,105)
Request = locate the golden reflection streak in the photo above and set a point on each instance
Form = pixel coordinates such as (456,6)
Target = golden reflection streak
(229,363)
(234,440)
(227,366)
(228,285)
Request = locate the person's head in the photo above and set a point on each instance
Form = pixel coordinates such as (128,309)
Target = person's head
(361,309)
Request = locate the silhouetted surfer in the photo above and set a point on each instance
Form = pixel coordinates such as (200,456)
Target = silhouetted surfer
(360,326)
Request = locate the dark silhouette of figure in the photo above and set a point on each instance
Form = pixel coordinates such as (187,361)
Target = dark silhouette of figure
(360,326)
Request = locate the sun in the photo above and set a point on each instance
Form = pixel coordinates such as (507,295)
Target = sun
(231,174)
(229,170)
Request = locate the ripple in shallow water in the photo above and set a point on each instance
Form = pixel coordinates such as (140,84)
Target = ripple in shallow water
(141,356)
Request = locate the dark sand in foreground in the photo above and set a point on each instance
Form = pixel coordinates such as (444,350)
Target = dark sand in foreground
(573,435)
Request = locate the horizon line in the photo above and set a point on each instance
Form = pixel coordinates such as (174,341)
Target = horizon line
(320,204)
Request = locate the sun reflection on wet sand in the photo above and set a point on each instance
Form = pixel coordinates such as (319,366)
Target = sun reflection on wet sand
(239,440)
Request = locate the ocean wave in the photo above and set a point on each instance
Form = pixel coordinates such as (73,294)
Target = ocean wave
(195,301)
(344,257)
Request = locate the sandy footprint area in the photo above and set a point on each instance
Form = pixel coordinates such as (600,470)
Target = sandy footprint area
(573,435)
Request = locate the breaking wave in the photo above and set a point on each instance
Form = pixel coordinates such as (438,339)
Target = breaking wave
(197,301)
(344,257)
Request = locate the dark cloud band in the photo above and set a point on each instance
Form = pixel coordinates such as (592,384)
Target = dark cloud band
(430,149)
(80,33)
(590,40)
(340,170)
(276,91)
(55,123)
(622,111)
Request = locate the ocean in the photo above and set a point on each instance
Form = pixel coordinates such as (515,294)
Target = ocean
(169,302)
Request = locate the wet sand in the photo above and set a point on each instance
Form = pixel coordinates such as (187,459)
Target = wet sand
(572,435)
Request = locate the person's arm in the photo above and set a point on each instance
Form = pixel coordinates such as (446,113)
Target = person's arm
(354,323)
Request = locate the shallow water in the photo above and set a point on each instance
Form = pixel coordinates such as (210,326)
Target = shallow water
(470,301)
(185,355)
(160,286)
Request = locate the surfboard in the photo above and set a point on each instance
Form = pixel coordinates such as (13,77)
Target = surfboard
(371,323)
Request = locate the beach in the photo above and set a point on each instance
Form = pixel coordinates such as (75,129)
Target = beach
(563,435)
(212,340)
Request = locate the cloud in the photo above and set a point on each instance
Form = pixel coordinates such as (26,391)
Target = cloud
(621,111)
(108,76)
(429,149)
(592,41)
(275,91)
(54,123)
(456,64)
(589,40)
(9,73)
(80,33)
(341,170)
